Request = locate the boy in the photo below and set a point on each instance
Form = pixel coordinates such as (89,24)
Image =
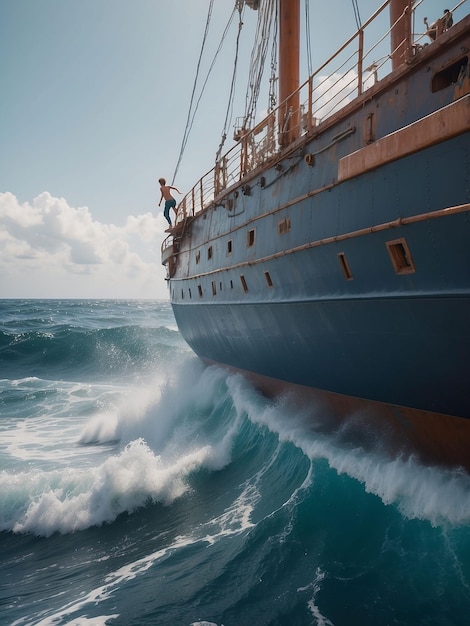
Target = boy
(170,202)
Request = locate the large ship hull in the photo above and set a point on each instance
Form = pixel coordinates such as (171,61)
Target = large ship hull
(394,351)
(341,268)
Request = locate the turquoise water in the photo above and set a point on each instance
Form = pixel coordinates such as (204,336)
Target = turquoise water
(139,487)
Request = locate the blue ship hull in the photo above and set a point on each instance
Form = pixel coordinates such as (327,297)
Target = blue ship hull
(393,351)
(341,266)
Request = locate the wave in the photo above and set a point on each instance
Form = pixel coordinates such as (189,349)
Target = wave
(153,470)
(172,438)
(69,500)
(431,493)
(72,353)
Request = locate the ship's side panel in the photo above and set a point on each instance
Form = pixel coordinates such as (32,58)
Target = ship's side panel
(388,341)
(397,351)
(283,305)
(344,264)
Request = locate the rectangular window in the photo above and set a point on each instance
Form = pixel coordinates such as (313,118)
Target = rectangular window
(229,247)
(251,238)
(209,252)
(283,226)
(199,288)
(214,289)
(244,285)
(198,256)
(400,256)
(268,279)
(450,75)
(345,266)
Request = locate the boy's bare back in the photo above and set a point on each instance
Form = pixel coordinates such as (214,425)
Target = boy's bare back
(166,190)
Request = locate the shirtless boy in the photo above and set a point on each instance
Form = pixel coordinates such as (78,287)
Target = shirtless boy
(170,202)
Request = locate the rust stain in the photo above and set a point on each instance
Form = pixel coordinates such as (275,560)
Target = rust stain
(433,438)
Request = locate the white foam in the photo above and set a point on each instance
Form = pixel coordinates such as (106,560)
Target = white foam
(320,619)
(69,500)
(160,446)
(439,495)
(55,415)
(112,583)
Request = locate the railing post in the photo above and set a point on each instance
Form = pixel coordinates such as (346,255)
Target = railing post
(360,60)
(243,155)
(310,103)
(216,177)
(224,172)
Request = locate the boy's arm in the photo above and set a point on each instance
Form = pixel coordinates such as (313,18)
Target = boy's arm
(161,198)
(175,189)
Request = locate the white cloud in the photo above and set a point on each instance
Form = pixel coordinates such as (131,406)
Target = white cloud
(50,249)
(145,226)
(333,92)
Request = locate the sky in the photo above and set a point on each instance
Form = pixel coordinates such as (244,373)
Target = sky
(94,100)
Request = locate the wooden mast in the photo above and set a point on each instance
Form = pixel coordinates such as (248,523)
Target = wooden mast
(289,72)
(400,22)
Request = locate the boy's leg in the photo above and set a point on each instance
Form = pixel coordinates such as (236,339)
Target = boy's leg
(166,213)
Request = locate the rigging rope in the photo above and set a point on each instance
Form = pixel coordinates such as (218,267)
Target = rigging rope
(187,128)
(258,58)
(307,37)
(190,118)
(229,113)
(356,14)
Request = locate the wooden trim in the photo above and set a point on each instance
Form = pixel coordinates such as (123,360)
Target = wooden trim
(400,256)
(448,122)
(401,221)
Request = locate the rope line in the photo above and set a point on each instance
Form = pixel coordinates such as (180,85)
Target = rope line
(356,13)
(258,58)
(186,130)
(307,38)
(192,113)
(229,112)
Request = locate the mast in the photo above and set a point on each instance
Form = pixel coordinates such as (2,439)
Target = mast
(400,36)
(289,70)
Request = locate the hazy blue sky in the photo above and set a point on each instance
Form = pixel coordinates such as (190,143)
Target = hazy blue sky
(94,99)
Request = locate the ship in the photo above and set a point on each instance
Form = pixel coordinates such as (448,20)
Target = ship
(326,255)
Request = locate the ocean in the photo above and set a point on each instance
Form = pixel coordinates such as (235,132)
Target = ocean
(139,486)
